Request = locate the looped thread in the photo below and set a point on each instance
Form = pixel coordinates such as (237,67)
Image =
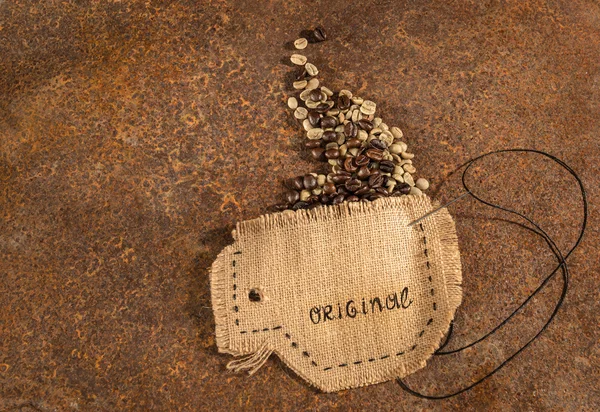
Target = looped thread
(562,265)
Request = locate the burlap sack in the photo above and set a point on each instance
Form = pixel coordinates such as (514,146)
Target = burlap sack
(349,295)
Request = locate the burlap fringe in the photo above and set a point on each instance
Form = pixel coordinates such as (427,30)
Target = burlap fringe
(218,290)
(252,362)
(291,218)
(451,260)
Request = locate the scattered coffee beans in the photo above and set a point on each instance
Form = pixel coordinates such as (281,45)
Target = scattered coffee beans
(364,158)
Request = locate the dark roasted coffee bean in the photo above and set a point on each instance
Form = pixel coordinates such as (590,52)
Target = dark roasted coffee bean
(386,179)
(314,205)
(340,179)
(343,102)
(382,190)
(298,183)
(338,199)
(302,74)
(350,130)
(319,34)
(403,188)
(311,144)
(322,108)
(332,153)
(329,188)
(386,166)
(315,95)
(292,196)
(329,136)
(300,205)
(378,144)
(363,190)
(349,165)
(318,153)
(310,182)
(314,118)
(352,199)
(313,199)
(361,160)
(363,173)
(281,207)
(324,199)
(366,125)
(374,154)
(375,181)
(328,122)
(353,185)
(341,190)
(352,143)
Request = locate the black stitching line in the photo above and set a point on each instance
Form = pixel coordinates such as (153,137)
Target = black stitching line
(261,330)
(421,333)
(295,346)
(236,309)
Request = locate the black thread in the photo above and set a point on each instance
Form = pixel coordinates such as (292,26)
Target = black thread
(430,322)
(343,365)
(234,296)
(562,265)
(277,327)
(327,368)
(422,332)
(358,362)
(287,335)
(400,354)
(305,354)
(434,306)
(313,363)
(237,253)
(384,357)
(294,345)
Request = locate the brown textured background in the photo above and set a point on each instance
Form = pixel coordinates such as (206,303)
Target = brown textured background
(134,135)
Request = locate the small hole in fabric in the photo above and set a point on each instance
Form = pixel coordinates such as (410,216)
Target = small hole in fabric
(254,295)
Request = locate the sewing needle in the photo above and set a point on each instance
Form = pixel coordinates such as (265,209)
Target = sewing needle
(437,209)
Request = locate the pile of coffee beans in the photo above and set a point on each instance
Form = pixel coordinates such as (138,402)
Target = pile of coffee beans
(365,158)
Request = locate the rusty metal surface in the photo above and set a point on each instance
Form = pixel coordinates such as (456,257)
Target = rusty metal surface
(134,135)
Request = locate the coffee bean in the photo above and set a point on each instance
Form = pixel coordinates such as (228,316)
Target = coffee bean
(403,188)
(298,59)
(375,196)
(332,153)
(353,185)
(374,154)
(386,166)
(352,143)
(309,182)
(315,134)
(365,125)
(311,69)
(375,181)
(311,144)
(344,102)
(328,122)
(378,144)
(314,118)
(422,184)
(312,84)
(396,132)
(324,199)
(292,196)
(313,199)
(350,130)
(349,165)
(319,34)
(340,179)
(363,190)
(368,107)
(301,75)
(315,95)
(363,172)
(382,190)
(329,135)
(300,205)
(318,153)
(352,199)
(338,199)
(297,183)
(300,113)
(301,43)
(322,108)
(361,160)
(329,188)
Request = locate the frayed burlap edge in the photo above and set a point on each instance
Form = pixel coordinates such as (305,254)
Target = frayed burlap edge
(218,290)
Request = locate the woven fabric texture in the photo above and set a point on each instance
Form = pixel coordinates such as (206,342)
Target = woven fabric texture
(349,295)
